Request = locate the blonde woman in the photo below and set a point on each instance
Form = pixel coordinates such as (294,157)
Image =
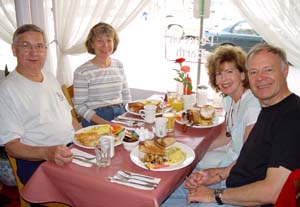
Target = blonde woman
(100,84)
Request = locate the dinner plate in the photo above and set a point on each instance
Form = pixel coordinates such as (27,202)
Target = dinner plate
(120,135)
(216,121)
(145,101)
(136,156)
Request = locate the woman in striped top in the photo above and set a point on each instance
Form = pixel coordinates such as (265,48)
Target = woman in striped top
(100,85)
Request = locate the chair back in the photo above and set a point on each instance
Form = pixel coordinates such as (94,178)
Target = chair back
(290,192)
(69,94)
(20,186)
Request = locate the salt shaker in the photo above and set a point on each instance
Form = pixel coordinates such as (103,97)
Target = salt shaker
(201,95)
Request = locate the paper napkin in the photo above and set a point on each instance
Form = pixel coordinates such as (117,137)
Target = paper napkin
(135,181)
(76,151)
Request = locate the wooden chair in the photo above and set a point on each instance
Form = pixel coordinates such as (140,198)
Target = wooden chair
(290,192)
(13,165)
(69,94)
(24,203)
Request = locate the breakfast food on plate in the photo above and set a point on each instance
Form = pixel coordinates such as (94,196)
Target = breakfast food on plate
(87,138)
(149,147)
(92,135)
(175,155)
(203,116)
(164,142)
(135,106)
(139,105)
(160,153)
(207,112)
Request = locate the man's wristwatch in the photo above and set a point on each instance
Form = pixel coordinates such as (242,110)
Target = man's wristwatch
(218,195)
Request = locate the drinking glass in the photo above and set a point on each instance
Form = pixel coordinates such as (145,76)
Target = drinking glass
(103,152)
(171,120)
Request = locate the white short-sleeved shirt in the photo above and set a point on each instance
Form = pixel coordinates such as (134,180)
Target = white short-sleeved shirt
(37,113)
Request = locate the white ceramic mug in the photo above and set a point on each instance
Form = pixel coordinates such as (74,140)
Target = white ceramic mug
(148,113)
(188,101)
(161,126)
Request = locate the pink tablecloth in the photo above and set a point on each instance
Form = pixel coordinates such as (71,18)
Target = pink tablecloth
(80,186)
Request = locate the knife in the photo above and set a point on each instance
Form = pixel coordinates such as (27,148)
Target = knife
(130,118)
(84,160)
(130,182)
(139,175)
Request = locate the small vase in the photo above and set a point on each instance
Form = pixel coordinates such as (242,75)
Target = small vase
(179,89)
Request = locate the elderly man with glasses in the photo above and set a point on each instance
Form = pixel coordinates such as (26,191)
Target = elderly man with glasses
(36,123)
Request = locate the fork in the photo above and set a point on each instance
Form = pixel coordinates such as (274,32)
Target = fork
(128,122)
(83,157)
(122,177)
(138,175)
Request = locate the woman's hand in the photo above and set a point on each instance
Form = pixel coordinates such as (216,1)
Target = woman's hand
(201,194)
(204,178)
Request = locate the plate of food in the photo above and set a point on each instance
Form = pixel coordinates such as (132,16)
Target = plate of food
(88,136)
(203,117)
(135,106)
(162,154)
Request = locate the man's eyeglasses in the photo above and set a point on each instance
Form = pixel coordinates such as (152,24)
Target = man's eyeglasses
(28,47)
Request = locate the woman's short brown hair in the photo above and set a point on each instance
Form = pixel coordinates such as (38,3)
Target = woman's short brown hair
(226,53)
(99,29)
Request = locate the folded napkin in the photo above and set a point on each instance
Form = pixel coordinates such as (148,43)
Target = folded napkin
(84,154)
(135,180)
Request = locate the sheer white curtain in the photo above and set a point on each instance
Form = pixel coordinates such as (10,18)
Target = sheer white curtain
(8,22)
(277,21)
(74,18)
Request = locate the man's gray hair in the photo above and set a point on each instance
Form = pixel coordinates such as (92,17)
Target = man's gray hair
(269,48)
(27,28)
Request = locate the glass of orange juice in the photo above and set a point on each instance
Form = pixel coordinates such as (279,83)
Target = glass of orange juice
(171,120)
(171,96)
(177,105)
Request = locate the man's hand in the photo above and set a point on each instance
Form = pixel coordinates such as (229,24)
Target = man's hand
(59,154)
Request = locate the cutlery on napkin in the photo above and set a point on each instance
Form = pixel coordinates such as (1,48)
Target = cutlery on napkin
(80,160)
(135,180)
(130,118)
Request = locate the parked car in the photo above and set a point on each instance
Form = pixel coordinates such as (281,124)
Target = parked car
(239,34)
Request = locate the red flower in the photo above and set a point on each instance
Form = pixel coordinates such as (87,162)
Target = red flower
(179,60)
(185,68)
(183,76)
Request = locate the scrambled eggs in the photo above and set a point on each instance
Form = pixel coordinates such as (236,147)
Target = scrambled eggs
(175,155)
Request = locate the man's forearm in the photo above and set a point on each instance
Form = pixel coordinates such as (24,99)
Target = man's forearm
(18,150)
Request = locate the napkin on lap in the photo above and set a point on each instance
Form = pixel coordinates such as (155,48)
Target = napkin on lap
(135,179)
(82,153)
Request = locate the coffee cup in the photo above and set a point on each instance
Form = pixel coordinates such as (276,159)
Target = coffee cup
(188,101)
(148,113)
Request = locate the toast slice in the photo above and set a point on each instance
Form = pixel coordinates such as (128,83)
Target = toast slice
(151,149)
(168,141)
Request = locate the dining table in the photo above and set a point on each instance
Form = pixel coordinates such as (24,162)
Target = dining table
(76,185)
